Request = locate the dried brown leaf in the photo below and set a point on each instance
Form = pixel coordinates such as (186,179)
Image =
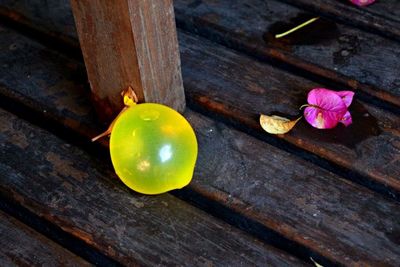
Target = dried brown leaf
(276,124)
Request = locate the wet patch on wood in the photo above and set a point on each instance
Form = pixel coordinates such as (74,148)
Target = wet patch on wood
(364,126)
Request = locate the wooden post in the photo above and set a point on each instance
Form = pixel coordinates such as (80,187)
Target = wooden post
(130,43)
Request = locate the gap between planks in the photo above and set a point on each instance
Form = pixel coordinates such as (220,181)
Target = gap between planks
(193,194)
(203,103)
(54,233)
(210,27)
(368,18)
(225,24)
(22,101)
(146,208)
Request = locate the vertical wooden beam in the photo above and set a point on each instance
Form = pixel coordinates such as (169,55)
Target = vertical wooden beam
(130,43)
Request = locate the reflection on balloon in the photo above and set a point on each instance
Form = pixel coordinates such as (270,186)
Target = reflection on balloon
(165,153)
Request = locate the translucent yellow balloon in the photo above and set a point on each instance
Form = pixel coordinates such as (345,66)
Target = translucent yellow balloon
(153,148)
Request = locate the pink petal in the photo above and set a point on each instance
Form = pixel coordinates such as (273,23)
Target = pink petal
(321,119)
(362,2)
(347,120)
(347,97)
(326,99)
(326,108)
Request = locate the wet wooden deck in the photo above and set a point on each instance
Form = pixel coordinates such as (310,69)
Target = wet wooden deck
(255,199)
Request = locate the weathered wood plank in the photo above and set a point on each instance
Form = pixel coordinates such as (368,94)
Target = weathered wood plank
(81,194)
(54,17)
(318,210)
(300,201)
(346,55)
(382,17)
(22,246)
(370,146)
(351,148)
(130,43)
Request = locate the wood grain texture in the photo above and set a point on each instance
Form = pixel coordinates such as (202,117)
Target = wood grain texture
(130,43)
(370,146)
(352,58)
(382,17)
(22,246)
(43,13)
(335,219)
(349,56)
(339,220)
(357,148)
(79,193)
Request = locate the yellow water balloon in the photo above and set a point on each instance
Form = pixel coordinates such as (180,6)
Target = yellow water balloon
(153,148)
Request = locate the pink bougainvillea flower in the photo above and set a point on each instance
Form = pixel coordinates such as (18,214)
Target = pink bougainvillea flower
(362,2)
(326,108)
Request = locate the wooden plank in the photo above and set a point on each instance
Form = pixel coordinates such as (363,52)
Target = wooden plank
(80,194)
(43,13)
(130,43)
(264,188)
(382,17)
(350,149)
(346,55)
(340,58)
(22,246)
(368,150)
(297,199)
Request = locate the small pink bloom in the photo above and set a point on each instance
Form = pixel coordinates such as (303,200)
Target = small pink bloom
(327,108)
(362,2)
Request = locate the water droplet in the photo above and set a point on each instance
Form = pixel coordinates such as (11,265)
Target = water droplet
(345,53)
